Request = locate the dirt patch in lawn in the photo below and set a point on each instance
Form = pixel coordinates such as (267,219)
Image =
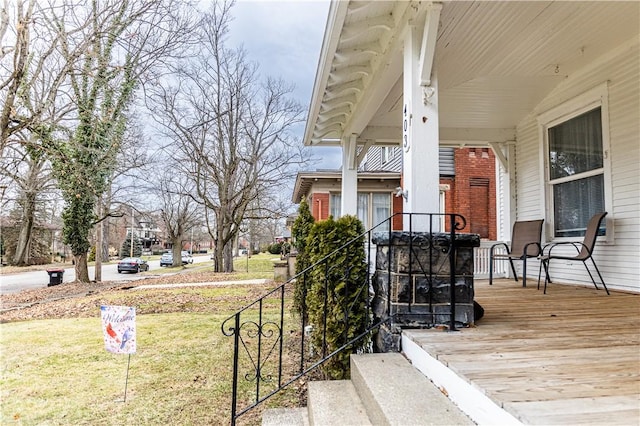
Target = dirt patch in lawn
(77,300)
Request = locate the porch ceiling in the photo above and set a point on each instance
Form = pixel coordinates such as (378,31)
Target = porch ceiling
(495,62)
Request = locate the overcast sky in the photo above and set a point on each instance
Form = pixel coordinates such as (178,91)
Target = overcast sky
(285,38)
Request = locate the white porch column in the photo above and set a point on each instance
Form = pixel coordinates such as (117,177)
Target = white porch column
(505,188)
(420,170)
(349,203)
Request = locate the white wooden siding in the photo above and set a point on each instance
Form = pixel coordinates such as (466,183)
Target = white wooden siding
(619,259)
(529,199)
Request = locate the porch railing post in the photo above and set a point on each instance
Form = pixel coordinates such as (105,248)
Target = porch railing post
(236,348)
(281,336)
(452,273)
(304,318)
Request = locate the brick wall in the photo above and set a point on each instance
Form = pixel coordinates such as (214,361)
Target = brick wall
(473,192)
(320,205)
(396,208)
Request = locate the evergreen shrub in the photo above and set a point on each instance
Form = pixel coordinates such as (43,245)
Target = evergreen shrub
(344,274)
(125,249)
(299,232)
(275,248)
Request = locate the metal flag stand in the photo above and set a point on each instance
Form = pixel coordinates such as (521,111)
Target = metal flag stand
(126,381)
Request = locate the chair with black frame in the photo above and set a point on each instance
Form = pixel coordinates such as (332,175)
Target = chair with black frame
(584,251)
(525,243)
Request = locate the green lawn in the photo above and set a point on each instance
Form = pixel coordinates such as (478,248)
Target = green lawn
(57,372)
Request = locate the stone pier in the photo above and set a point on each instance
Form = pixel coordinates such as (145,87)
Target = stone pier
(412,282)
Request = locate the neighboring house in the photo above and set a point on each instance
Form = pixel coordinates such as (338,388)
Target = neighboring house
(551,88)
(148,234)
(376,200)
(467,187)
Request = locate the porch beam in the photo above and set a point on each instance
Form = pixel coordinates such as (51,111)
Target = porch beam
(471,135)
(429,38)
(449,136)
(365,148)
(383,134)
(497,150)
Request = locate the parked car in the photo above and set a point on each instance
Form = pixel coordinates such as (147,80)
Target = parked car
(132,264)
(166,259)
(186,258)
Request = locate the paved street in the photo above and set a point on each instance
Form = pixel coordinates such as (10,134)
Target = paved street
(14,283)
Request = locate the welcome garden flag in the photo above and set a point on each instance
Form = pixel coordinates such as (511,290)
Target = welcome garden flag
(119,329)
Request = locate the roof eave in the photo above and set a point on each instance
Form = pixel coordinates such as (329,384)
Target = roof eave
(335,21)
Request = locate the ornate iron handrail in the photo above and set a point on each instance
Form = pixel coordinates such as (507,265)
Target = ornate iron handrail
(259,340)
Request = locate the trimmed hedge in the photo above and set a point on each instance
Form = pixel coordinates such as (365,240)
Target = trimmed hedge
(300,231)
(343,273)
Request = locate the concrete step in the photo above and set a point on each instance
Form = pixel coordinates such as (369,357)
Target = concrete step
(285,417)
(395,393)
(335,402)
(385,389)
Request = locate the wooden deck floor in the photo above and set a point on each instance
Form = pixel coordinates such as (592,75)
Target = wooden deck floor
(571,356)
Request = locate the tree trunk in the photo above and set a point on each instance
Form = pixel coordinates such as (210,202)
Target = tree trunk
(99,233)
(21,256)
(218,251)
(228,257)
(105,240)
(217,259)
(81,268)
(177,251)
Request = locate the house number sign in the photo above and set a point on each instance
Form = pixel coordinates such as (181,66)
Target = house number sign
(406,122)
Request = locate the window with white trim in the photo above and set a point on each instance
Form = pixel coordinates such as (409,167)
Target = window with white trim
(386,154)
(576,164)
(381,210)
(373,208)
(335,201)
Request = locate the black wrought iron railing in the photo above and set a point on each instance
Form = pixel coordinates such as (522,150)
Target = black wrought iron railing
(273,347)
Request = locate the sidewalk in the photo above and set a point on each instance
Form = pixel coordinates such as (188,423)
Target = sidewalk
(205,284)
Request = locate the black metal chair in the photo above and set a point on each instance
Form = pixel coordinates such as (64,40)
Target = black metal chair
(584,252)
(525,243)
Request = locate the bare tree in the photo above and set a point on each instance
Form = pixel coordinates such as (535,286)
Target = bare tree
(179,212)
(33,74)
(123,187)
(32,70)
(232,130)
(26,166)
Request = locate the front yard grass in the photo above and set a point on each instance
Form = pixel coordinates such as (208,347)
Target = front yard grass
(57,372)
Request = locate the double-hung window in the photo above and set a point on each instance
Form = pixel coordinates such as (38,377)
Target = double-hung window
(335,201)
(381,210)
(373,208)
(576,163)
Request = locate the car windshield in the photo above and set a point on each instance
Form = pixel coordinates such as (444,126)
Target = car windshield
(129,260)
